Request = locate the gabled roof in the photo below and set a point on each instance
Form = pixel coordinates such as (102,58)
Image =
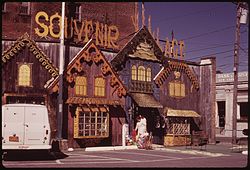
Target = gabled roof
(176,66)
(91,54)
(18,46)
(142,45)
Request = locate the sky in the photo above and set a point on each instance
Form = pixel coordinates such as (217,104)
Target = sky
(207,28)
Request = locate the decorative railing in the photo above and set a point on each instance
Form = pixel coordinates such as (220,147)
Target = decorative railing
(139,86)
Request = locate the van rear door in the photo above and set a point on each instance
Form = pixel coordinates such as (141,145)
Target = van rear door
(34,125)
(13,126)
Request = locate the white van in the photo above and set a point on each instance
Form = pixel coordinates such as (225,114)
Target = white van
(25,127)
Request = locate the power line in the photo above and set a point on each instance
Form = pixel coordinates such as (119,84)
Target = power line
(243,49)
(212,54)
(207,33)
(188,14)
(218,46)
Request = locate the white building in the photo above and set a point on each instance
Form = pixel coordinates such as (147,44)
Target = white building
(224,104)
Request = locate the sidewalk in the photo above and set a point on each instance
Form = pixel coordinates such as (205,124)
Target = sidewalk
(211,149)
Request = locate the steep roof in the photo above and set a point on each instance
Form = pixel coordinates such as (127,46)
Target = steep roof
(142,45)
(19,45)
(90,53)
(176,66)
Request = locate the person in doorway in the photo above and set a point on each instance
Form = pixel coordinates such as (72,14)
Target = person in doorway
(141,129)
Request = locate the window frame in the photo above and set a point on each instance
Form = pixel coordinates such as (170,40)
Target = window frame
(104,88)
(84,86)
(148,78)
(30,74)
(244,117)
(28,8)
(78,12)
(104,123)
(141,73)
(4,7)
(134,73)
(173,87)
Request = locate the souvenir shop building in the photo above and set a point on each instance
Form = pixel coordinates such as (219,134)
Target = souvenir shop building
(107,87)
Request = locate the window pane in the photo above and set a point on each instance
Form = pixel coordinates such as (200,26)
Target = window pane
(148,74)
(133,73)
(81,86)
(92,124)
(141,73)
(99,86)
(24,76)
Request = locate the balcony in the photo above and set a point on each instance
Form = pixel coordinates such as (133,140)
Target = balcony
(141,86)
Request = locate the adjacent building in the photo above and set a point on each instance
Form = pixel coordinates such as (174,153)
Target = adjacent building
(224,104)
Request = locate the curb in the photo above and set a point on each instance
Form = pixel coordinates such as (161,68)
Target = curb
(110,148)
(193,152)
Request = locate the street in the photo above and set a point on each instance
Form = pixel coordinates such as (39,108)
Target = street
(127,158)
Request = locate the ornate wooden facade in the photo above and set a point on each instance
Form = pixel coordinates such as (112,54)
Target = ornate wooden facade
(25,71)
(95,100)
(137,64)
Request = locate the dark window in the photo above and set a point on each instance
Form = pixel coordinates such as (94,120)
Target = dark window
(244,109)
(4,7)
(222,113)
(25,8)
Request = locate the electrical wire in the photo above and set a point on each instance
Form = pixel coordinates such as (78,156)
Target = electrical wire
(211,54)
(207,33)
(188,14)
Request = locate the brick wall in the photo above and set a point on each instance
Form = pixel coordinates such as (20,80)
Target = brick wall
(15,24)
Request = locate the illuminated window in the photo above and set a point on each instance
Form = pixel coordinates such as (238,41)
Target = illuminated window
(148,75)
(91,124)
(99,86)
(176,89)
(81,86)
(141,73)
(24,75)
(134,73)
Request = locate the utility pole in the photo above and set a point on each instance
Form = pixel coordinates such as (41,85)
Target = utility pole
(235,70)
(61,67)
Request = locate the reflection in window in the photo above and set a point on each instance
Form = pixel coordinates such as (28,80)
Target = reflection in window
(24,75)
(176,89)
(99,86)
(81,86)
(148,75)
(134,73)
(91,124)
(141,73)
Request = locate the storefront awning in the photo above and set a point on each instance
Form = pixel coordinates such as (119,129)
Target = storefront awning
(89,101)
(146,100)
(180,113)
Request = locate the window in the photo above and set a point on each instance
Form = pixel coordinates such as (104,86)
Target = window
(3,6)
(91,124)
(141,73)
(243,111)
(176,89)
(221,113)
(99,86)
(25,8)
(134,73)
(148,75)
(24,74)
(78,12)
(81,86)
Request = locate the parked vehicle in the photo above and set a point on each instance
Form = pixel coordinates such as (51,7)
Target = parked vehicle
(25,127)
